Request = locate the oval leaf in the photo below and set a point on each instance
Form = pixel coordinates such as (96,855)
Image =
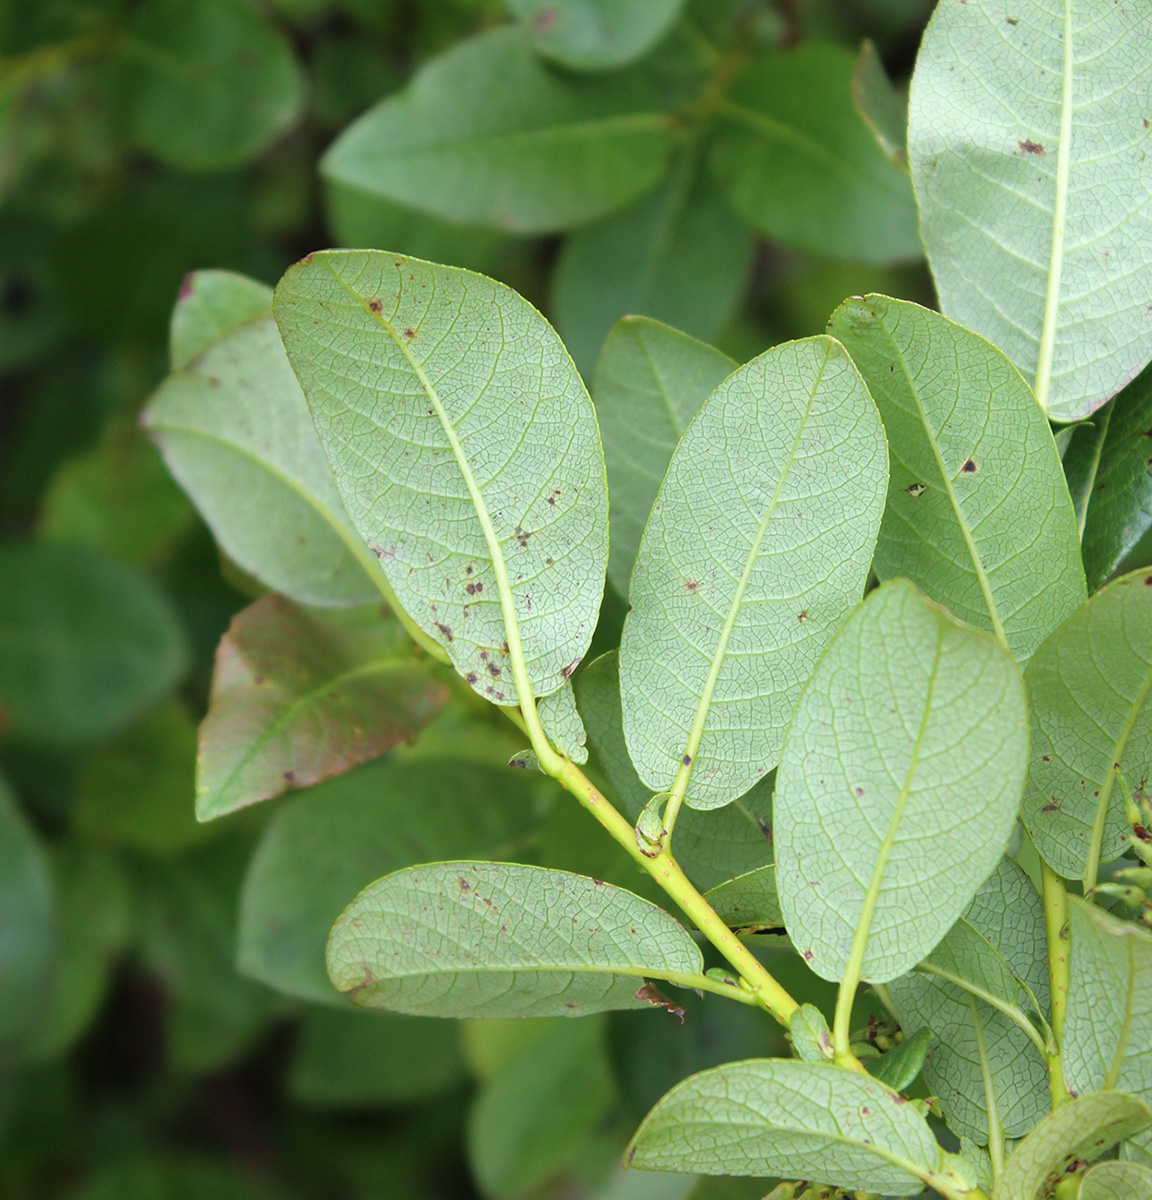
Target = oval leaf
(998,941)
(799,164)
(1079,1131)
(487,134)
(466,452)
(296,698)
(1090,687)
(1111,1180)
(328,843)
(789,1118)
(1028,151)
(1108,1027)
(211,304)
(650,382)
(978,514)
(749,900)
(871,796)
(756,550)
(475,939)
(234,429)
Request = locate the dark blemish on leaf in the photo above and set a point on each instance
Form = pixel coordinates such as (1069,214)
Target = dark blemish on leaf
(470,677)
(597,882)
(802,616)
(1049,808)
(547,562)
(308,257)
(552,498)
(468,570)
(470,589)
(465,886)
(409,334)
(1146,125)
(916,490)
(446,630)
(1012,20)
(691,585)
(504,647)
(765,828)
(1148,580)
(687,760)
(493,670)
(521,536)
(375,306)
(1028,146)
(186,282)
(290,776)
(484,655)
(808,956)
(397,262)
(969,468)
(567,671)
(1047,757)
(654,996)
(859,791)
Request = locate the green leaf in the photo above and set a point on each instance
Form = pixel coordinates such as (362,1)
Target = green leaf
(675,254)
(470,939)
(596,34)
(756,551)
(1079,1131)
(882,107)
(362,219)
(800,165)
(485,490)
(978,513)
(487,134)
(561,718)
(327,844)
(811,1037)
(710,846)
(1108,1027)
(86,644)
(650,382)
(93,925)
(996,943)
(536,1114)
(1110,1180)
(748,900)
(137,791)
(792,1119)
(899,1067)
(1028,151)
(1108,469)
(27,925)
(353,1059)
(298,697)
(210,83)
(212,304)
(234,429)
(1089,686)
(871,796)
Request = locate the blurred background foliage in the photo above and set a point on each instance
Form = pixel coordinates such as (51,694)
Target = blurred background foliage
(144,139)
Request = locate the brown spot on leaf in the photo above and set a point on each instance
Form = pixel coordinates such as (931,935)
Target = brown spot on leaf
(653,995)
(290,776)
(687,760)
(409,334)
(375,306)
(808,956)
(691,585)
(969,468)
(916,490)
(1028,146)
(446,630)
(567,671)
(493,670)
(1049,808)
(802,616)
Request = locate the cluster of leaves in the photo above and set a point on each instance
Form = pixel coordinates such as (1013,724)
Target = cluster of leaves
(404,474)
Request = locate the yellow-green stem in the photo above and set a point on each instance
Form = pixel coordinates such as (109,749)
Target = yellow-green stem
(1056,933)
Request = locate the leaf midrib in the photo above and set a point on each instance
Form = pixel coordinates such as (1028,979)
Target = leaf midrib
(966,532)
(684,772)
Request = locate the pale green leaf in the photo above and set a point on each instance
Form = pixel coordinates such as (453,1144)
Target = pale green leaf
(562,723)
(469,939)
(211,304)
(883,107)
(1029,154)
(748,900)
(899,1067)
(676,254)
(466,451)
(811,1037)
(86,644)
(210,84)
(710,846)
(1116,1181)
(978,513)
(1079,1131)
(331,841)
(1107,465)
(534,1116)
(298,696)
(799,163)
(1090,689)
(596,34)
(487,134)
(996,943)
(1108,1029)
(793,1119)
(650,382)
(27,925)
(234,429)
(872,795)
(351,1059)
(756,550)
